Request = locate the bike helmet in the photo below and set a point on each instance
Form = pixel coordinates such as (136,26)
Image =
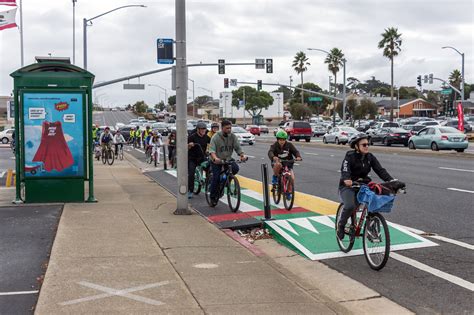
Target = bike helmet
(201,125)
(357,138)
(281,134)
(215,125)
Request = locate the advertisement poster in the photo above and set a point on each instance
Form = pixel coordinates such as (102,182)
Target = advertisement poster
(54,130)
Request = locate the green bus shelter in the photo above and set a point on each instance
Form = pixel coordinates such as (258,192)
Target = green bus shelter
(53,123)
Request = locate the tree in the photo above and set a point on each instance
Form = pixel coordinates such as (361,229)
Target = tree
(353,83)
(299,111)
(320,106)
(300,64)
(129,107)
(334,62)
(140,107)
(286,93)
(406,92)
(202,100)
(390,43)
(160,106)
(455,79)
(366,108)
(351,104)
(255,101)
(172,100)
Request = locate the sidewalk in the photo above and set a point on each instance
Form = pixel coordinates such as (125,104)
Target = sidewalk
(129,254)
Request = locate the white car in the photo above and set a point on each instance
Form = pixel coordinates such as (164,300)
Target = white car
(428,123)
(6,135)
(243,135)
(339,135)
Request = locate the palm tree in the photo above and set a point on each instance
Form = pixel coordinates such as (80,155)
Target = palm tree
(352,83)
(300,64)
(391,42)
(334,61)
(455,78)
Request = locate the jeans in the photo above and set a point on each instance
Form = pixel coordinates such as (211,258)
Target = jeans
(349,199)
(216,171)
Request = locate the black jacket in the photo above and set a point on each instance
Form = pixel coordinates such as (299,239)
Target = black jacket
(195,153)
(276,150)
(358,166)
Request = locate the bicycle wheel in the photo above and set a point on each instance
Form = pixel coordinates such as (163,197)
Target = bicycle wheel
(276,191)
(155,158)
(348,242)
(110,157)
(233,193)
(121,154)
(148,156)
(197,181)
(376,241)
(288,191)
(207,191)
(104,157)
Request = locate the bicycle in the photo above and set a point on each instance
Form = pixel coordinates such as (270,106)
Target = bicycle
(285,186)
(148,156)
(201,174)
(108,156)
(376,236)
(120,151)
(228,184)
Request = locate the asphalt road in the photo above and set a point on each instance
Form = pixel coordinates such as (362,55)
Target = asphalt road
(440,200)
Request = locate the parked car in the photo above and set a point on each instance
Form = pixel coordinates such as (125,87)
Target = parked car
(160,127)
(281,126)
(253,129)
(125,131)
(379,125)
(428,123)
(439,138)
(339,135)
(243,135)
(389,136)
(6,135)
(263,129)
(318,130)
(413,129)
(454,123)
(299,130)
(189,127)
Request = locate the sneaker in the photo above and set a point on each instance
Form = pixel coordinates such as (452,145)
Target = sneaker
(190,194)
(340,233)
(274,180)
(289,196)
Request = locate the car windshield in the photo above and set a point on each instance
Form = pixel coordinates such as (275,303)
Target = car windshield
(190,126)
(300,124)
(238,130)
(389,124)
(159,125)
(430,123)
(449,130)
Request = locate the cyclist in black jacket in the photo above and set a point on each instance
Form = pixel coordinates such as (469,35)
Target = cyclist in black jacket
(282,150)
(196,155)
(356,166)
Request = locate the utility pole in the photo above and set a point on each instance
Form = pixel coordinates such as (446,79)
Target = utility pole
(344,92)
(181,98)
(74,32)
(21,35)
(244,105)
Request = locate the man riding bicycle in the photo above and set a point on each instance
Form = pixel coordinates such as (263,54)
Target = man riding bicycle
(197,146)
(106,139)
(282,150)
(356,166)
(223,144)
(119,140)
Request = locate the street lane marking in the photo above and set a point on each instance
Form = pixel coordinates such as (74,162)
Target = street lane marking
(456,169)
(461,190)
(141,151)
(18,293)
(310,153)
(114,292)
(438,273)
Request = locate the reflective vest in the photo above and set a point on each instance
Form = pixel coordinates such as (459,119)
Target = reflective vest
(94,133)
(145,133)
(132,133)
(137,133)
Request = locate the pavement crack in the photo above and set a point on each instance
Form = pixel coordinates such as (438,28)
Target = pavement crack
(160,205)
(363,299)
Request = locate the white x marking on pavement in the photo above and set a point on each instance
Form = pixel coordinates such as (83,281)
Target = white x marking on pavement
(114,292)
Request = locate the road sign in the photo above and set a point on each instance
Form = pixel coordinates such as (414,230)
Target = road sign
(269,65)
(221,66)
(128,86)
(233,82)
(315,98)
(446,91)
(165,50)
(259,63)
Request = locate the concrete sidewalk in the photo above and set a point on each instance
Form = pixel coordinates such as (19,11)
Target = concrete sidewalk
(128,253)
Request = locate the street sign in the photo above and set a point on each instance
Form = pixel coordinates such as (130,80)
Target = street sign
(221,66)
(128,86)
(269,65)
(315,98)
(259,63)
(165,50)
(233,82)
(446,91)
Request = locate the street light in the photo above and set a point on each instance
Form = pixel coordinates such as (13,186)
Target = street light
(166,94)
(74,32)
(85,21)
(335,88)
(462,69)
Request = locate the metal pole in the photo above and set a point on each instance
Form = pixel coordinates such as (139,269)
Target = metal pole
(21,36)
(181,98)
(244,106)
(84,39)
(266,195)
(344,92)
(462,74)
(74,32)
(194,110)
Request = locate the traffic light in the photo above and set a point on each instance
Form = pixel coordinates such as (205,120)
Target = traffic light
(418,80)
(221,66)
(226,83)
(430,78)
(269,65)
(259,85)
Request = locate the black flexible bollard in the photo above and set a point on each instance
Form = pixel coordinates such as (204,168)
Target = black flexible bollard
(266,194)
(164,158)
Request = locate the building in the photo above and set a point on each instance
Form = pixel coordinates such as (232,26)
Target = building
(274,111)
(408,108)
(5,107)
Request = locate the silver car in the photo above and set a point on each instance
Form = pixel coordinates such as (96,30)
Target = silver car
(339,135)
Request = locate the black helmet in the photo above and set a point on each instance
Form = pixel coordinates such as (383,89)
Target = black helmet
(201,125)
(214,125)
(357,138)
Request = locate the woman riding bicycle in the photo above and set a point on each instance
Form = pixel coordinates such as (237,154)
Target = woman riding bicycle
(356,166)
(282,150)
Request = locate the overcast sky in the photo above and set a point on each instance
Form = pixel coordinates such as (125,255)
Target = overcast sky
(124,42)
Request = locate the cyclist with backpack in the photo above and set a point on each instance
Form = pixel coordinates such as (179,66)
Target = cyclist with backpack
(106,139)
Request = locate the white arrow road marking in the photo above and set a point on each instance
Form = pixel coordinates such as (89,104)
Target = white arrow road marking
(456,169)
(114,292)
(284,224)
(461,190)
(304,223)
